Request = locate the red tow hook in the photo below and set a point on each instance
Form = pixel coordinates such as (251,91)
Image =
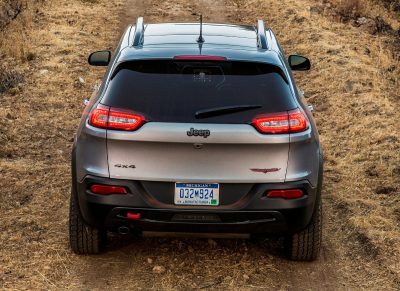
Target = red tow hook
(133,216)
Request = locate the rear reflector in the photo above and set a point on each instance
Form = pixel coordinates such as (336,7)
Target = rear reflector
(133,216)
(286,194)
(108,189)
(284,122)
(200,58)
(111,118)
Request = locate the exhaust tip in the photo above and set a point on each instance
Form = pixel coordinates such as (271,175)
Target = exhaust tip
(123,230)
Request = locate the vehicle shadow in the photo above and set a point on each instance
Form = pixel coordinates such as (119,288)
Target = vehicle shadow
(175,261)
(270,245)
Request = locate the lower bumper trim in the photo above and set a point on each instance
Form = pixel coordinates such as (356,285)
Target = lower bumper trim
(198,221)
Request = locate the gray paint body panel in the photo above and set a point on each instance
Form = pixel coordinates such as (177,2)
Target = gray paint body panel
(91,153)
(164,152)
(182,162)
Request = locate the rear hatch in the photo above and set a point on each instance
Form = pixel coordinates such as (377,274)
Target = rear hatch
(198,121)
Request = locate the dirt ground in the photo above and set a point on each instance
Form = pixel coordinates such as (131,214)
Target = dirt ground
(354,87)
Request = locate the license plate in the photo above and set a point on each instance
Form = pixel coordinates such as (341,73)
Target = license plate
(197,194)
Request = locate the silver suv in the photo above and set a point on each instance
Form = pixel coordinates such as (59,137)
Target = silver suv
(197,128)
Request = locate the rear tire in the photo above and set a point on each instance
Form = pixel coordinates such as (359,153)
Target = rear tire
(305,245)
(84,239)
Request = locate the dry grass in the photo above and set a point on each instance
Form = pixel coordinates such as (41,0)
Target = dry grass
(354,87)
(350,7)
(17,17)
(384,14)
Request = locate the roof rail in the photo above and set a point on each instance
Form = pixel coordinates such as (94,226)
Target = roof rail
(261,38)
(139,32)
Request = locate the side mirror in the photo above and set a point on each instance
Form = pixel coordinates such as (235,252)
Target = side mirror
(100,58)
(299,63)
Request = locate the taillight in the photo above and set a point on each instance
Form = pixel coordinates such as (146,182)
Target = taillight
(285,194)
(278,123)
(111,118)
(99,116)
(107,189)
(297,121)
(124,121)
(284,122)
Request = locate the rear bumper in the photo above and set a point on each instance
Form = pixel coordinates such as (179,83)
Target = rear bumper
(243,208)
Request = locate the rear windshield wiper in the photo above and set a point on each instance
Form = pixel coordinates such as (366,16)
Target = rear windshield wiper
(204,113)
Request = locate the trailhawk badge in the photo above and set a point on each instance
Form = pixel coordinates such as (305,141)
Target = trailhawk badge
(265,171)
(198,132)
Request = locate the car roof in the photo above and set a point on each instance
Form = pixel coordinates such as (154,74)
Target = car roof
(187,33)
(166,40)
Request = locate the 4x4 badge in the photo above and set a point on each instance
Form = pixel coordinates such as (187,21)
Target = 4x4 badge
(198,132)
(125,166)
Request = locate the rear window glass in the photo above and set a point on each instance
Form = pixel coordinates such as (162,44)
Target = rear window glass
(174,91)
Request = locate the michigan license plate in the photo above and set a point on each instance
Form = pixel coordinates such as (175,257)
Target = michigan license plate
(196,194)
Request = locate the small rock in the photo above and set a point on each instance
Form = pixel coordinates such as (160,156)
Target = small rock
(246,277)
(9,116)
(81,80)
(367,24)
(317,9)
(191,250)
(348,86)
(362,20)
(149,260)
(44,72)
(96,86)
(158,269)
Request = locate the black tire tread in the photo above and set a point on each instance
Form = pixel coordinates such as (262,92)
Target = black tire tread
(305,245)
(84,239)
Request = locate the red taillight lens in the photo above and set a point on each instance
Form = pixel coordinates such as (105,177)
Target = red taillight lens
(200,58)
(278,123)
(286,194)
(124,121)
(99,116)
(111,118)
(298,121)
(284,122)
(108,189)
